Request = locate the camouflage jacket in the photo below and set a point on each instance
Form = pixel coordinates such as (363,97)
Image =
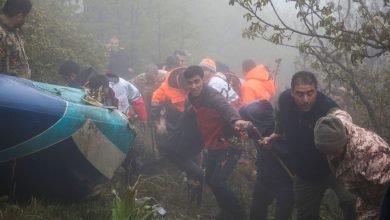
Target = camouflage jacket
(146,87)
(364,167)
(13,58)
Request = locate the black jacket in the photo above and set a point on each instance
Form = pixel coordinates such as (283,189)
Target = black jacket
(269,170)
(298,127)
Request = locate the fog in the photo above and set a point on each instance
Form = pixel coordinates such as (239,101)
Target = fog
(220,37)
(219,26)
(152,30)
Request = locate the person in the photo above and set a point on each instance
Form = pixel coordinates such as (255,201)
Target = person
(171,62)
(213,115)
(234,80)
(221,67)
(219,82)
(149,81)
(130,100)
(130,103)
(175,128)
(99,89)
(359,158)
(273,180)
(180,56)
(13,58)
(75,78)
(169,98)
(298,110)
(118,59)
(258,84)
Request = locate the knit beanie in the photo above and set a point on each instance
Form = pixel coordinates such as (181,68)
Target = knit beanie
(330,135)
(209,64)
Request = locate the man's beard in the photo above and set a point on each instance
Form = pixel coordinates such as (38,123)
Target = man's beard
(19,25)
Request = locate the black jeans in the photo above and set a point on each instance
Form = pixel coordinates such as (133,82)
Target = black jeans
(219,165)
(272,183)
(308,196)
(194,174)
(385,206)
(264,195)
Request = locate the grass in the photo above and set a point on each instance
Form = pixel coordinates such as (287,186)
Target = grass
(128,207)
(42,209)
(163,184)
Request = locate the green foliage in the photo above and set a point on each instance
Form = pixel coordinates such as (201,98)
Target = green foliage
(331,21)
(342,40)
(148,30)
(128,207)
(51,38)
(37,209)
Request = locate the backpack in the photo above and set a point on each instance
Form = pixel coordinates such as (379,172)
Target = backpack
(233,82)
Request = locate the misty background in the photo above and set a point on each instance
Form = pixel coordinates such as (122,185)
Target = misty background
(149,31)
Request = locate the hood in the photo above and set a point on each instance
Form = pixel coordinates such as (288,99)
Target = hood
(258,73)
(176,78)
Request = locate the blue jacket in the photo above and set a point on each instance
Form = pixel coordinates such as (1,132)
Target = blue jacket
(270,172)
(298,128)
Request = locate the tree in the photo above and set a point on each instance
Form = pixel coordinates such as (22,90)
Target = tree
(342,38)
(148,30)
(52,38)
(334,21)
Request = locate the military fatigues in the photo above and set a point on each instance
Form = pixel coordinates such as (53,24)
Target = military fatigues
(364,167)
(146,87)
(13,58)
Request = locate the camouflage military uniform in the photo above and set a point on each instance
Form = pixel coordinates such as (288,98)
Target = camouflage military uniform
(13,58)
(146,87)
(364,167)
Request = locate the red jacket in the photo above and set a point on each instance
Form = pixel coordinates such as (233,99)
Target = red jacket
(213,116)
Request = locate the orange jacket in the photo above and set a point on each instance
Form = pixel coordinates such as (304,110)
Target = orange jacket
(258,85)
(167,93)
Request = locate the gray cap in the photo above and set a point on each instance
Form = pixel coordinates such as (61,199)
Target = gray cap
(330,134)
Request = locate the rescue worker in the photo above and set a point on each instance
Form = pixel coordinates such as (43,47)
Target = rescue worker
(180,56)
(13,58)
(175,129)
(99,89)
(298,110)
(75,78)
(273,180)
(213,115)
(118,59)
(258,83)
(359,158)
(219,82)
(171,62)
(168,101)
(130,100)
(131,103)
(149,81)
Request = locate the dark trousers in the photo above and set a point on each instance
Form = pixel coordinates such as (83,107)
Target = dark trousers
(385,206)
(219,165)
(264,195)
(308,196)
(131,166)
(190,166)
(194,173)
